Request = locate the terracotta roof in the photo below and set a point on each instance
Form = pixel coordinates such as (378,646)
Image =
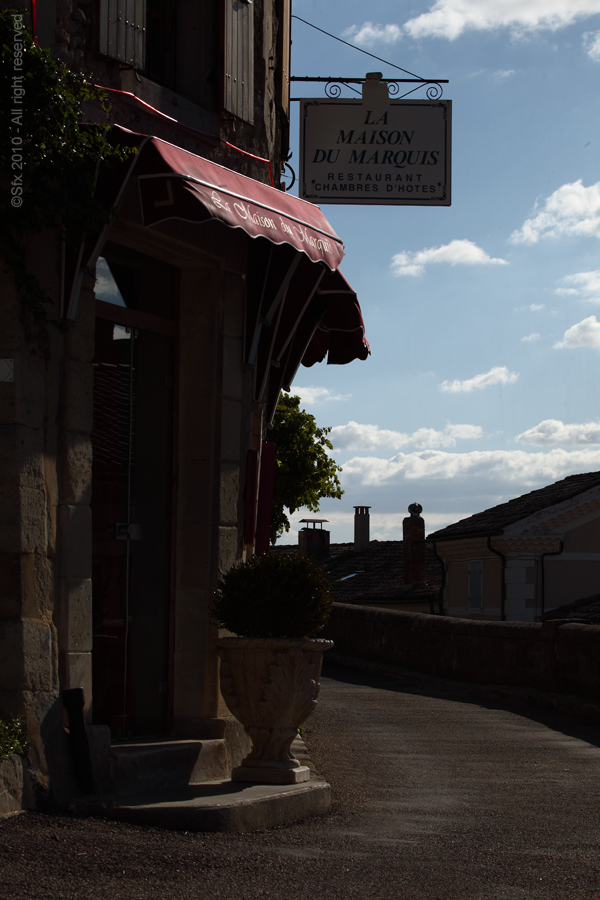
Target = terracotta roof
(376,574)
(495,520)
(586,610)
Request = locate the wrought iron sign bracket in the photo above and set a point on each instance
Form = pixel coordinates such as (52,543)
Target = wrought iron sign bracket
(333,86)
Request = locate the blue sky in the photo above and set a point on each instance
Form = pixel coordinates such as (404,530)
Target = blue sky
(484,317)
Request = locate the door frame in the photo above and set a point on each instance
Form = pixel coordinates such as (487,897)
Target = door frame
(131,318)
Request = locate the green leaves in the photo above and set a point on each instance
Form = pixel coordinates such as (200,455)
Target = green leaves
(305,471)
(12,738)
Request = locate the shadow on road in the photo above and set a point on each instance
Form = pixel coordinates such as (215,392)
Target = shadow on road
(483,696)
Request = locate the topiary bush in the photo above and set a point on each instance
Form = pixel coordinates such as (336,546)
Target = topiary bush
(274,596)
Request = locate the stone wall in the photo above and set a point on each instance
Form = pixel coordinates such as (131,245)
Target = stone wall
(554,656)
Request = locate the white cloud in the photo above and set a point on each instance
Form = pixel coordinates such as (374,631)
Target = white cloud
(556,433)
(585,334)
(502,74)
(531,338)
(498,467)
(312,394)
(383,526)
(573,209)
(588,286)
(497,375)
(457,252)
(451,18)
(591,43)
(370,437)
(368,34)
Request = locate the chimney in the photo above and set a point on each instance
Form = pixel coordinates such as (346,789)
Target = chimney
(361,527)
(413,536)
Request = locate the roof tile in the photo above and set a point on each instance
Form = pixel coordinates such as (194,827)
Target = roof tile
(495,520)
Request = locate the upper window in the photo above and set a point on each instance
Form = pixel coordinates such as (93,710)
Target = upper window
(238,58)
(123,31)
(284,44)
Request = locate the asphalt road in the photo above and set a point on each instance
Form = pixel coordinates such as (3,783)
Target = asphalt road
(437,794)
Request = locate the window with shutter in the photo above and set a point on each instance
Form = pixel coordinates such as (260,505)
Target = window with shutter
(238,59)
(475,586)
(284,46)
(123,31)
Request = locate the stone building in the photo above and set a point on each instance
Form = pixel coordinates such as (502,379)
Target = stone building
(131,444)
(521,559)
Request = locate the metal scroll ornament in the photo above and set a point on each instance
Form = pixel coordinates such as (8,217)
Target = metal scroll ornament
(434,90)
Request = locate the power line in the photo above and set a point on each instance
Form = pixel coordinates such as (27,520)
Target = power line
(360,49)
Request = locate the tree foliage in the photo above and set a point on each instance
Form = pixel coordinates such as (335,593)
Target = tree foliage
(305,472)
(48,157)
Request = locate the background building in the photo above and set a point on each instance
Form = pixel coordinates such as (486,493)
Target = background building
(519,560)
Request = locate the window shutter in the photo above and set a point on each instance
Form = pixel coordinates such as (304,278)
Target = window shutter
(284,46)
(475,592)
(239,59)
(123,31)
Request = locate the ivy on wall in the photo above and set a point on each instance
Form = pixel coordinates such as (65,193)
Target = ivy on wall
(48,157)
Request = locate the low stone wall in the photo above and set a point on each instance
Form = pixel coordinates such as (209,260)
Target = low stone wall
(555,656)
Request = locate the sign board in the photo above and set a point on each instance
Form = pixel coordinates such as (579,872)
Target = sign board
(396,156)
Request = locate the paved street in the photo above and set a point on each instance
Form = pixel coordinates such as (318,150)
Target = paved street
(437,794)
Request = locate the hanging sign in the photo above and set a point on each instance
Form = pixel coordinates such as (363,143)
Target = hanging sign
(396,156)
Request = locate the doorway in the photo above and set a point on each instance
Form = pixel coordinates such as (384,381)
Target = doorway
(132,495)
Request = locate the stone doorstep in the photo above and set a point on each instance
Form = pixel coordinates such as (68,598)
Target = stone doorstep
(220,805)
(156,765)
(210,804)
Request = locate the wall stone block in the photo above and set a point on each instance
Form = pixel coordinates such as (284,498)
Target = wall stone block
(75,615)
(229,499)
(19,585)
(75,524)
(21,455)
(77,472)
(11,785)
(26,655)
(23,519)
(79,381)
(228,546)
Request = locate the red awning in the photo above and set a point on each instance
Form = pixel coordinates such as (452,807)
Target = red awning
(310,311)
(176,184)
(340,335)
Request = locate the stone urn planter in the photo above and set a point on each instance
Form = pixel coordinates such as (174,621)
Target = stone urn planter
(271,686)
(276,605)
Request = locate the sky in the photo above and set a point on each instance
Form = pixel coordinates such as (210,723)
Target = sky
(483,317)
